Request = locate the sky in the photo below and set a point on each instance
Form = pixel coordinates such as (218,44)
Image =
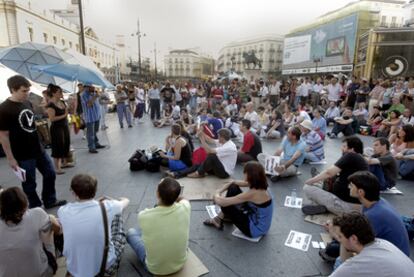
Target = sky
(208,24)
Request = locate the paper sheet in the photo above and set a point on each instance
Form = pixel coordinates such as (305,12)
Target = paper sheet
(319,219)
(326,238)
(239,234)
(213,210)
(298,240)
(20,174)
(193,267)
(270,163)
(297,204)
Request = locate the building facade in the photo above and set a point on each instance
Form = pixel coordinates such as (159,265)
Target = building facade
(330,44)
(21,21)
(267,49)
(186,63)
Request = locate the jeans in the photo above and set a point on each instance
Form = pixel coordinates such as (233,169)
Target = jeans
(409,226)
(377,170)
(91,129)
(139,110)
(345,129)
(244,157)
(311,157)
(44,164)
(134,239)
(406,169)
(155,109)
(123,110)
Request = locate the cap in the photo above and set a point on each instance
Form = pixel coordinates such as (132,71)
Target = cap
(307,124)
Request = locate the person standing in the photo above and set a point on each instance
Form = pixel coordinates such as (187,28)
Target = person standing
(20,141)
(122,108)
(140,98)
(59,130)
(334,90)
(91,116)
(154,98)
(104,100)
(274,93)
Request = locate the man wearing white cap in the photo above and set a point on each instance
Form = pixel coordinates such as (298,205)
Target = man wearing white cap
(314,143)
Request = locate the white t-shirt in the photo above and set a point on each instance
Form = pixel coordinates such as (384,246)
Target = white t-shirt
(304,89)
(333,92)
(140,95)
(227,154)
(176,112)
(317,88)
(381,258)
(275,89)
(264,91)
(82,225)
(305,115)
(254,119)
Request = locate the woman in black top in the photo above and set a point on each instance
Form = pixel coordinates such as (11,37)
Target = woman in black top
(59,129)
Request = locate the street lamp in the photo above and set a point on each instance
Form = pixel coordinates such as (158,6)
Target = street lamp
(82,34)
(155,60)
(317,60)
(139,35)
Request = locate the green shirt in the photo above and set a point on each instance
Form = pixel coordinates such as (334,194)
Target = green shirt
(165,232)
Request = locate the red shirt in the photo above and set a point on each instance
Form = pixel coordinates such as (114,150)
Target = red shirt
(248,142)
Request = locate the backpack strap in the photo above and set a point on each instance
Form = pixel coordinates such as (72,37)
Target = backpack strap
(106,248)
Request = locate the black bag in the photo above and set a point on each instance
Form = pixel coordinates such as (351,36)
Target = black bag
(154,164)
(138,161)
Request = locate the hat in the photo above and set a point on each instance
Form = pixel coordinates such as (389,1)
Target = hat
(364,79)
(307,124)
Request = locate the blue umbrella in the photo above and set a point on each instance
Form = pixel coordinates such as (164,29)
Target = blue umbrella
(74,72)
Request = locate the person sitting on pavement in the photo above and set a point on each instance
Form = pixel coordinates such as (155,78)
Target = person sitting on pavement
(293,150)
(385,220)
(335,198)
(220,160)
(83,229)
(166,118)
(314,143)
(250,211)
(252,146)
(332,112)
(374,120)
(178,156)
(374,256)
(215,123)
(252,115)
(319,123)
(276,128)
(390,125)
(346,124)
(361,114)
(161,241)
(406,157)
(25,233)
(407,118)
(382,164)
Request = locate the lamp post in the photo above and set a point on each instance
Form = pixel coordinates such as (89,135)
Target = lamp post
(155,60)
(139,35)
(82,34)
(317,60)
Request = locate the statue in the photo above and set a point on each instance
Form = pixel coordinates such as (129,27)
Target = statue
(250,58)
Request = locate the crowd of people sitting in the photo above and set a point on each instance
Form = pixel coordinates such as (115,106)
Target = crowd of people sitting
(228,122)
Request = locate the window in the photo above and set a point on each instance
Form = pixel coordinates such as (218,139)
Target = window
(44,37)
(394,21)
(70,44)
(77,47)
(30,29)
(54,40)
(63,42)
(383,20)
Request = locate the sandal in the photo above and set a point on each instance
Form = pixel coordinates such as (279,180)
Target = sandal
(216,222)
(60,172)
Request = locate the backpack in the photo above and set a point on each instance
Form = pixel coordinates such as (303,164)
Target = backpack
(138,161)
(153,164)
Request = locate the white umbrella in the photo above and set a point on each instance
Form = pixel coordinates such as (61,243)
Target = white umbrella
(6,73)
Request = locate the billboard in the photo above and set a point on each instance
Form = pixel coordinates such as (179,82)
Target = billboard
(296,49)
(331,44)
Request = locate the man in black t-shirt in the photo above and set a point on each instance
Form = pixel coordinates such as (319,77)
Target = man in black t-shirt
(382,164)
(19,138)
(338,201)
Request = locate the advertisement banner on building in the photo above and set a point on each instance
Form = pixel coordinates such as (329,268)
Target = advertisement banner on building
(296,49)
(331,44)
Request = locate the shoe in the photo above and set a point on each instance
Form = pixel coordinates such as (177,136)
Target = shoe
(314,209)
(60,172)
(129,126)
(314,172)
(275,178)
(100,146)
(93,151)
(56,204)
(326,257)
(67,165)
(332,136)
(122,127)
(214,223)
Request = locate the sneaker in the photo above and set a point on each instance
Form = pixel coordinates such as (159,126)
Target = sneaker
(314,171)
(129,126)
(93,151)
(56,204)
(275,178)
(100,146)
(332,136)
(314,209)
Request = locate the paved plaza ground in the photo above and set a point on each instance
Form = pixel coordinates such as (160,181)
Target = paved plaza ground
(222,254)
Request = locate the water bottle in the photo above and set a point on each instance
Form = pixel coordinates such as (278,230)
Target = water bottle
(293,197)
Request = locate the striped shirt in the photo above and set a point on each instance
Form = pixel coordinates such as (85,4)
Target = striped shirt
(314,141)
(90,114)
